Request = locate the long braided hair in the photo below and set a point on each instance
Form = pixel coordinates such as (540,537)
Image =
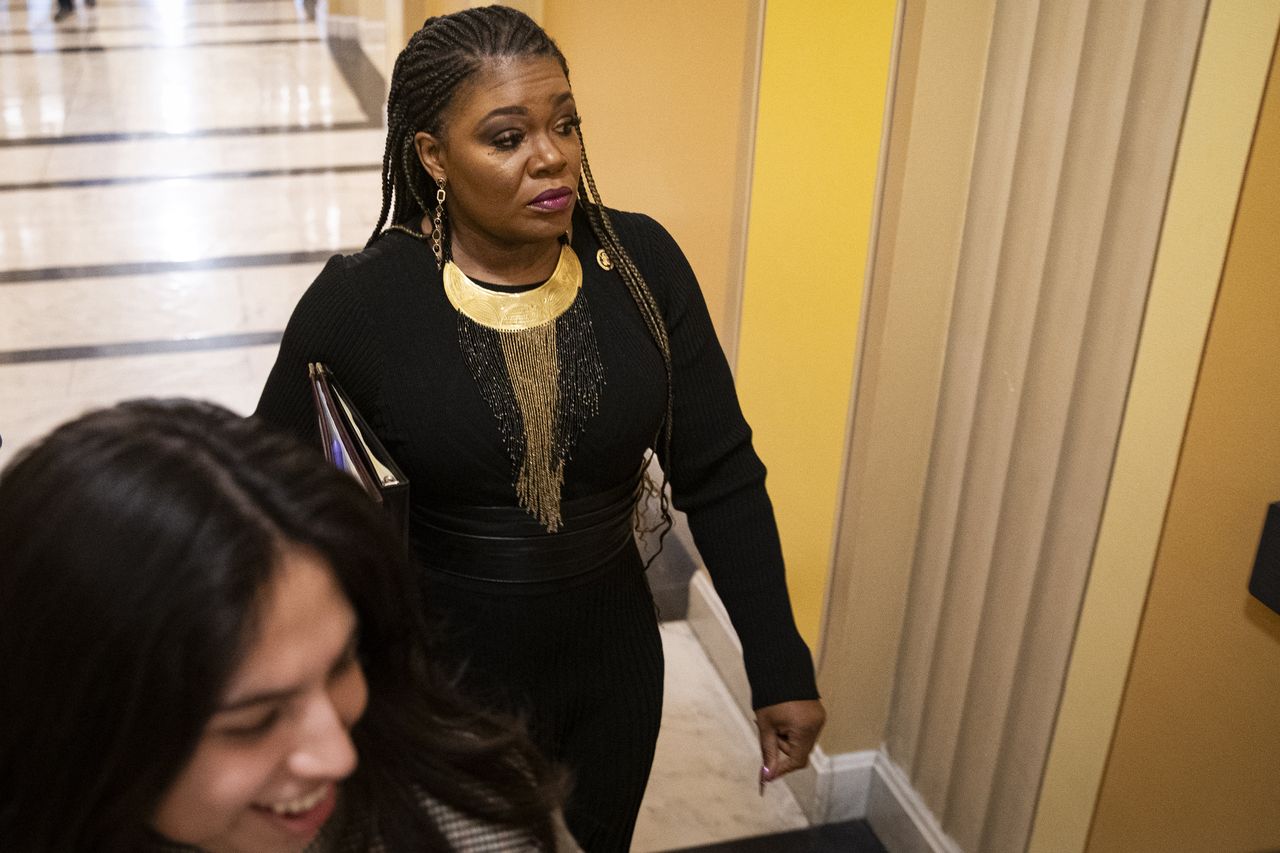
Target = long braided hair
(440,57)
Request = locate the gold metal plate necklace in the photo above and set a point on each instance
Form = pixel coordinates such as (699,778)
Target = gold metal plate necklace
(511,311)
(534,357)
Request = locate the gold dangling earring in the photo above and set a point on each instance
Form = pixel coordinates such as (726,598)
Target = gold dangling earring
(437,225)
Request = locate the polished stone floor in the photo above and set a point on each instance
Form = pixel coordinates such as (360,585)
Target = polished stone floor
(173,173)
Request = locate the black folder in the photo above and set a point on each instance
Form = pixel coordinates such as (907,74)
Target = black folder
(351,446)
(1264,584)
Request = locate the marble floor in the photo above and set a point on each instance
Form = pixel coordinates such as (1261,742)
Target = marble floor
(173,173)
(703,788)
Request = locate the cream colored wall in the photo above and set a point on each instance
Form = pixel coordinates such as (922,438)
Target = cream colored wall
(1017,245)
(941,66)
(1197,747)
(667,94)
(1234,59)
(403,18)
(822,101)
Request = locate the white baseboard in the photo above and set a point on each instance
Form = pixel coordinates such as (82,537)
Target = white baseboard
(845,786)
(834,787)
(899,816)
(711,625)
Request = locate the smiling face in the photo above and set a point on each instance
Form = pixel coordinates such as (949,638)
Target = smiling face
(509,153)
(265,771)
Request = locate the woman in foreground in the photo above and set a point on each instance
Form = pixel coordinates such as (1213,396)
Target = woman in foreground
(211,644)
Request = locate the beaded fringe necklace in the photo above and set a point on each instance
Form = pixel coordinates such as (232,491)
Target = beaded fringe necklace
(533,356)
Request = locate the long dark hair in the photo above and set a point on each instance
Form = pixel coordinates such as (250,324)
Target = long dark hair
(133,544)
(439,58)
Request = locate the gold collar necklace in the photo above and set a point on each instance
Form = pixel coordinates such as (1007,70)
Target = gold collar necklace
(534,358)
(511,311)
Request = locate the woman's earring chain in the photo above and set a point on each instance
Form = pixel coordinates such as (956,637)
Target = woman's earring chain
(437,225)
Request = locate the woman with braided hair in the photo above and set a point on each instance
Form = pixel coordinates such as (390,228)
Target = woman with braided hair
(519,349)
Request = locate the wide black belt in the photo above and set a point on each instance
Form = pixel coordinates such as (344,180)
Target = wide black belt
(507,545)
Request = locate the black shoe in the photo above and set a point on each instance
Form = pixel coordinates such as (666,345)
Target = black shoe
(62,15)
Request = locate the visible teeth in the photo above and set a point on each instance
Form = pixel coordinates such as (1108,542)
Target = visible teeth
(300,804)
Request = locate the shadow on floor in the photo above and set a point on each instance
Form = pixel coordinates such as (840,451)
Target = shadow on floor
(853,836)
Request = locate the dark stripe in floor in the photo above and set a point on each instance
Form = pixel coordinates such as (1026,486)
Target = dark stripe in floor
(26,276)
(853,836)
(143,135)
(143,27)
(133,4)
(80,183)
(99,48)
(202,344)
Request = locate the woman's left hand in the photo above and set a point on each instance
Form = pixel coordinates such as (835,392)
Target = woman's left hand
(787,734)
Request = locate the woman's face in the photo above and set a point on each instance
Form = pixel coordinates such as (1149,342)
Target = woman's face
(264,774)
(510,155)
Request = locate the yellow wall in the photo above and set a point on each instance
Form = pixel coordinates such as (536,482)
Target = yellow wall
(666,90)
(1231,70)
(1195,762)
(822,94)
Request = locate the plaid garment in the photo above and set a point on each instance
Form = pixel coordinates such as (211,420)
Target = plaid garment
(464,833)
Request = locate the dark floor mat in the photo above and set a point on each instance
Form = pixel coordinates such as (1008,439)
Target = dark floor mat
(853,836)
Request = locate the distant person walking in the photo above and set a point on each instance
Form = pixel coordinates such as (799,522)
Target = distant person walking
(67,8)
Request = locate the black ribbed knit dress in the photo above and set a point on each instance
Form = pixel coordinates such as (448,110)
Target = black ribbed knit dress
(581,661)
